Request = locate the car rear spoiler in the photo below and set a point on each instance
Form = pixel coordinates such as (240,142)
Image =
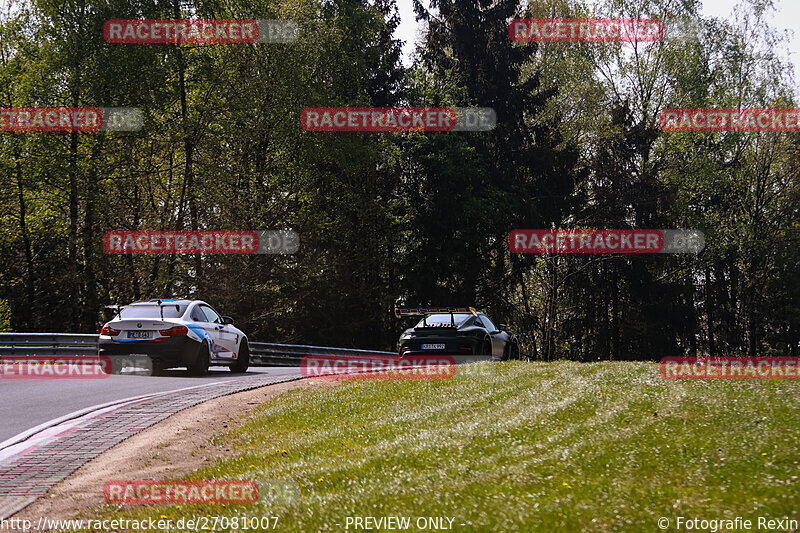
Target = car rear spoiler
(417,311)
(161,305)
(116,308)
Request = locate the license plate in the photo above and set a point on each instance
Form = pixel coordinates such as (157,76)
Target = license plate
(137,355)
(433,346)
(138,334)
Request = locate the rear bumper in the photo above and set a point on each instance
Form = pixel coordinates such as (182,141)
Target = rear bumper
(452,346)
(175,351)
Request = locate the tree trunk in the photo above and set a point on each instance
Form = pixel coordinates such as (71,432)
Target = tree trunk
(27,322)
(712,348)
(90,308)
(73,307)
(188,152)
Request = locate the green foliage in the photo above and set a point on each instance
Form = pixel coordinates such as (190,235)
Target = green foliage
(412,217)
(5,316)
(576,447)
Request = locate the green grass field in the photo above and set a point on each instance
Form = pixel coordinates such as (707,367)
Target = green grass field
(522,447)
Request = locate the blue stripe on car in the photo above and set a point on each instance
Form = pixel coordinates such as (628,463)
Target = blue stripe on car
(200,332)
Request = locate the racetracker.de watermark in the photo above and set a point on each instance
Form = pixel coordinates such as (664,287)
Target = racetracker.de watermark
(71,119)
(278,491)
(201,242)
(378,367)
(200,31)
(605,241)
(54,367)
(398,119)
(767,120)
(729,368)
(585,30)
(151,492)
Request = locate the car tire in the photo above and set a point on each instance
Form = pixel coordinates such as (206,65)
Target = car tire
(156,368)
(243,360)
(199,367)
(486,347)
(116,365)
(513,352)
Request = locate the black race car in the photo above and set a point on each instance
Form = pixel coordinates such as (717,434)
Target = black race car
(455,331)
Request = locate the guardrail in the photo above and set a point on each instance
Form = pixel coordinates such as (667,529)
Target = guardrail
(261,353)
(48,344)
(291,354)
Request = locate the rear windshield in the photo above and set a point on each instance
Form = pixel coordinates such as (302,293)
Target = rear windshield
(152,311)
(443,320)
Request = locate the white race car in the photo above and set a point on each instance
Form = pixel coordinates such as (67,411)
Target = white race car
(173,333)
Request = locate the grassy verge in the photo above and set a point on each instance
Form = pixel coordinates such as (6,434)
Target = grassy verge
(528,447)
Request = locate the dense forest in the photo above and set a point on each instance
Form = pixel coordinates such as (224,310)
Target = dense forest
(407,217)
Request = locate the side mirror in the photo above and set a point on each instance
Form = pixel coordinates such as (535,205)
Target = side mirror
(227,320)
(503,327)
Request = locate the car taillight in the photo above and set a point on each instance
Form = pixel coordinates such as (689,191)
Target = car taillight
(107,330)
(175,331)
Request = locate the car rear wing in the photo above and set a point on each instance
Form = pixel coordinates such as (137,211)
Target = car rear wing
(115,308)
(419,311)
(160,303)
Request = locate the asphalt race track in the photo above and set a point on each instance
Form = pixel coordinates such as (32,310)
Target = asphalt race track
(27,403)
(53,426)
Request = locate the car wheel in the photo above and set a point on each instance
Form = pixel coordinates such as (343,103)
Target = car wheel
(156,368)
(243,360)
(486,347)
(199,367)
(116,365)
